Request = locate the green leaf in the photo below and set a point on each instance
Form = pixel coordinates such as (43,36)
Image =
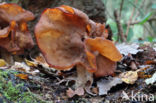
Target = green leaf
(145,18)
(150,39)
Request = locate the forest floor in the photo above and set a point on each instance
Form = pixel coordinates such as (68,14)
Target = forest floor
(28,82)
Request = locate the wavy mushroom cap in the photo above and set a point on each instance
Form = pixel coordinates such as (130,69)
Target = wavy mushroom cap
(14,34)
(13,12)
(67,37)
(59,33)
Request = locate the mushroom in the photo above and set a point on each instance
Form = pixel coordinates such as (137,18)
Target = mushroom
(14,34)
(68,38)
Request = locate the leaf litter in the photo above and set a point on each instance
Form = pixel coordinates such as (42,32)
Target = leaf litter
(103,86)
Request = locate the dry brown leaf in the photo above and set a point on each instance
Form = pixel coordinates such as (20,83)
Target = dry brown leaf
(2,63)
(70,93)
(133,65)
(22,76)
(21,66)
(142,74)
(150,62)
(78,91)
(40,59)
(30,63)
(129,77)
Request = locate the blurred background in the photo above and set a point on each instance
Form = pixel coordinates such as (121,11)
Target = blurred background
(129,20)
(137,18)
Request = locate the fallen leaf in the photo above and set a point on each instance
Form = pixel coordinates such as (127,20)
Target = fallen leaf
(129,77)
(70,93)
(151,80)
(30,63)
(40,60)
(128,48)
(133,65)
(78,91)
(105,85)
(23,67)
(150,62)
(142,74)
(22,76)
(2,63)
(19,65)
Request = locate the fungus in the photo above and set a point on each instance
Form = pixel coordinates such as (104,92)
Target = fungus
(14,34)
(68,38)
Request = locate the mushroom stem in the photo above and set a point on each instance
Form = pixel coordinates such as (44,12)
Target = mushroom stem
(84,78)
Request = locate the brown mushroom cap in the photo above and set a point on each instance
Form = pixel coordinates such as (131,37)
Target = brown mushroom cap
(58,35)
(14,34)
(67,37)
(13,12)
(104,47)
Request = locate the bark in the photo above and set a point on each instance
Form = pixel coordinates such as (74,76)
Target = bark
(95,9)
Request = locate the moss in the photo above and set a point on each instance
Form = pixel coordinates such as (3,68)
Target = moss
(15,93)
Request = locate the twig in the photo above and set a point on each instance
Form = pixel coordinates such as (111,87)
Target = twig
(119,26)
(130,20)
(150,32)
(121,6)
(139,9)
(46,71)
(141,6)
(137,22)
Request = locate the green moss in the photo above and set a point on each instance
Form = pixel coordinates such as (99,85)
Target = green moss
(14,93)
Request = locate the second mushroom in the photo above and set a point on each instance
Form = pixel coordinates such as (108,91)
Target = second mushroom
(14,33)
